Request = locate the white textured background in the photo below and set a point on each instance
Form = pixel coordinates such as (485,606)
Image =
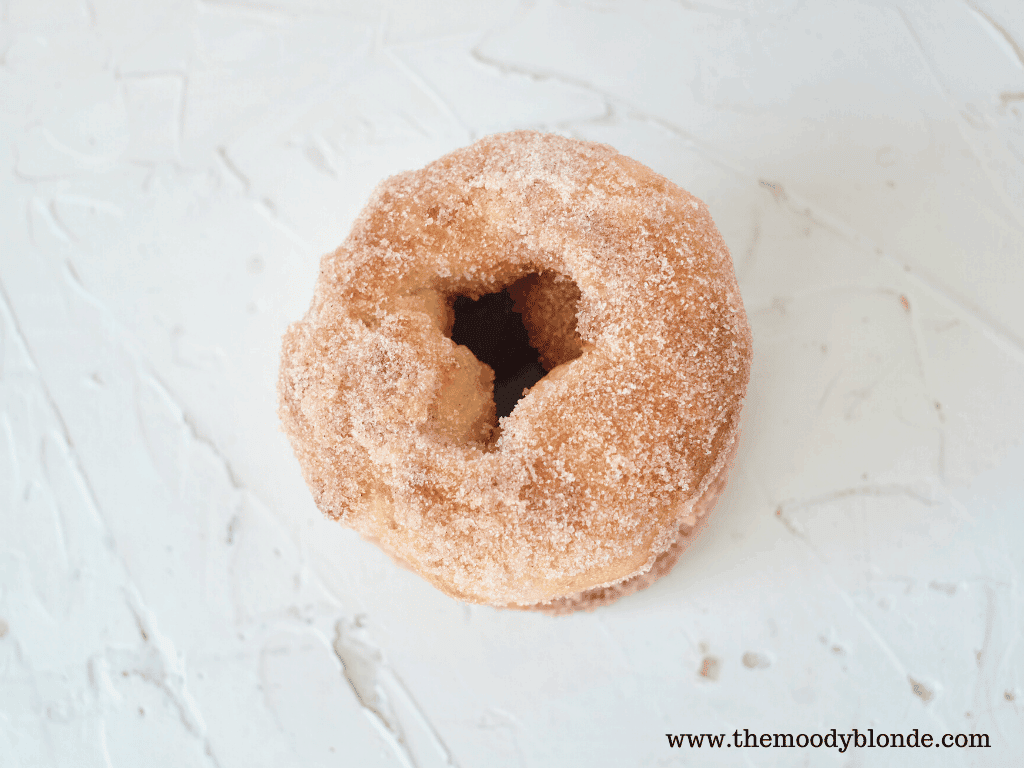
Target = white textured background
(170,173)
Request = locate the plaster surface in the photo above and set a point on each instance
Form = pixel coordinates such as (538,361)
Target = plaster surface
(171,172)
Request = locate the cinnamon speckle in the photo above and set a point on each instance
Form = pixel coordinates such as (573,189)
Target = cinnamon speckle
(710,668)
(920,690)
(752,660)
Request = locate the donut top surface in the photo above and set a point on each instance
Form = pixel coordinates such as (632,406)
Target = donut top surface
(627,290)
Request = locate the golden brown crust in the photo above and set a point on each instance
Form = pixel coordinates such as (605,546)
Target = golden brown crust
(588,482)
(688,532)
(548,304)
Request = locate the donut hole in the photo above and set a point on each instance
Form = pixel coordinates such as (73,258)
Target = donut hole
(494,332)
(522,332)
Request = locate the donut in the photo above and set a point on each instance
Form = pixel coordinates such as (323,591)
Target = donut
(522,373)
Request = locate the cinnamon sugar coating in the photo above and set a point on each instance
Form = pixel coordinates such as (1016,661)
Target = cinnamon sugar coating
(611,460)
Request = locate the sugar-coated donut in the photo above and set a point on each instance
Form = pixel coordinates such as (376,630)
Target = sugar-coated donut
(606,468)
